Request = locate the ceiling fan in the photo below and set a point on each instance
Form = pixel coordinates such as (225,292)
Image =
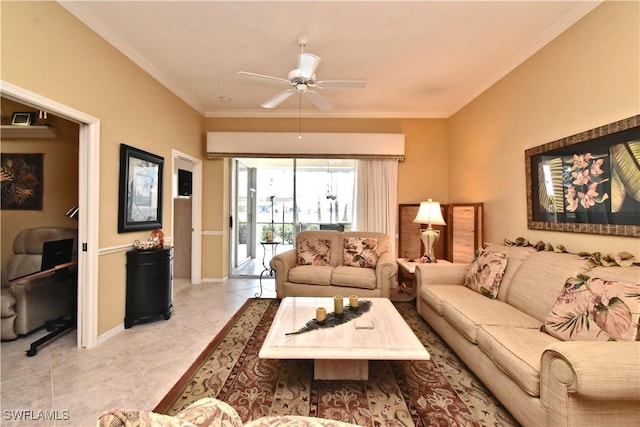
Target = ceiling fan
(303,81)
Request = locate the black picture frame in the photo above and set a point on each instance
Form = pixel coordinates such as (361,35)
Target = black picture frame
(140,195)
(588,182)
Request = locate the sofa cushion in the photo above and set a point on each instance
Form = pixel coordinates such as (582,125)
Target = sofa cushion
(468,312)
(485,272)
(313,251)
(435,295)
(383,239)
(543,274)
(311,274)
(517,351)
(360,252)
(591,308)
(516,256)
(622,274)
(354,277)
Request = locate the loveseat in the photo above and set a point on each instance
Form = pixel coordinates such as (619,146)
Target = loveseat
(547,344)
(327,262)
(206,412)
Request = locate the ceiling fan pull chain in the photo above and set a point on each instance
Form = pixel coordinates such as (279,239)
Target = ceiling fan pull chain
(299,116)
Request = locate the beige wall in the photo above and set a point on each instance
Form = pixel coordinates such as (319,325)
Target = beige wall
(48,51)
(587,77)
(60,179)
(215,214)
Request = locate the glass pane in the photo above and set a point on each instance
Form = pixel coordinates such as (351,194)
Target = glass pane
(275,201)
(242,212)
(324,193)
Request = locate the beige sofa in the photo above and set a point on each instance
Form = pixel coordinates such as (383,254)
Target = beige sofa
(328,276)
(206,412)
(540,379)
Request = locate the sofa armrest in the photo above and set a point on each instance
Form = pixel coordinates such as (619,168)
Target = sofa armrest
(440,274)
(591,371)
(209,411)
(204,412)
(282,263)
(386,270)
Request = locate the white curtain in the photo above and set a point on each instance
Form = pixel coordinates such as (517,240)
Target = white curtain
(376,197)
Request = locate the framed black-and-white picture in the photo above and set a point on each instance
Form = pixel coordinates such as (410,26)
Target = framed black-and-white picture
(140,201)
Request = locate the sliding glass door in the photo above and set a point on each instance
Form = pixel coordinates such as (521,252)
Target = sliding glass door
(290,195)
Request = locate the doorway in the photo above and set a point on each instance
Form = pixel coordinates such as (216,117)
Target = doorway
(187,216)
(243,213)
(88,205)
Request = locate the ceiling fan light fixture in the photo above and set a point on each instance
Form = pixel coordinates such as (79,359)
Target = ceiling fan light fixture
(302,80)
(307,65)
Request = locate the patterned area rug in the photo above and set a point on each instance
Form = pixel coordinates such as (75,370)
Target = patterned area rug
(437,392)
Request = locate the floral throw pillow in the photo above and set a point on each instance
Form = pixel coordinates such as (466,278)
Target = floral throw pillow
(594,309)
(485,272)
(361,252)
(314,252)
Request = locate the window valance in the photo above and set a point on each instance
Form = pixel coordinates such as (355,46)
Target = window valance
(311,145)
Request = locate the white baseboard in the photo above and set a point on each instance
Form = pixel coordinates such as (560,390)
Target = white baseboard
(111,333)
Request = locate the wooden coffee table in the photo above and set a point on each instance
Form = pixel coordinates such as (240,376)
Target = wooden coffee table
(342,352)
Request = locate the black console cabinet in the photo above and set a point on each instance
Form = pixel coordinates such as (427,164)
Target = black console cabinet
(149,285)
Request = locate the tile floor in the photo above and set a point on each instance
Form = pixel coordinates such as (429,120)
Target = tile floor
(134,369)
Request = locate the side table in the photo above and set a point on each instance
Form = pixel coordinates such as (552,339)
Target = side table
(267,268)
(407,285)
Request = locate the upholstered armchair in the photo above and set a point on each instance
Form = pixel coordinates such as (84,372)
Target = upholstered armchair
(206,412)
(27,305)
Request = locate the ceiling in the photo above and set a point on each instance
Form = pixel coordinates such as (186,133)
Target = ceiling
(419,58)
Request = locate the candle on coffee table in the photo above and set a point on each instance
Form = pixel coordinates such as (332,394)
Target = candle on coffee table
(353,301)
(338,305)
(321,314)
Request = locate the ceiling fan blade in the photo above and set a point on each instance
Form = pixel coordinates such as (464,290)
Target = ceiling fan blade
(307,65)
(261,77)
(278,99)
(341,84)
(318,100)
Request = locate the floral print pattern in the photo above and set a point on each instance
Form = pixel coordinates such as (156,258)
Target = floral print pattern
(583,180)
(485,272)
(204,412)
(361,252)
(314,252)
(590,309)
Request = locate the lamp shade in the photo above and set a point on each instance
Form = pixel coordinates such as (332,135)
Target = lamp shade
(429,213)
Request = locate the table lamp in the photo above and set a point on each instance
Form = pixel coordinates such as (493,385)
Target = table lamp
(429,213)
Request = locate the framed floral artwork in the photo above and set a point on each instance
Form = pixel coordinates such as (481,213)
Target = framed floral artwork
(589,182)
(22,181)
